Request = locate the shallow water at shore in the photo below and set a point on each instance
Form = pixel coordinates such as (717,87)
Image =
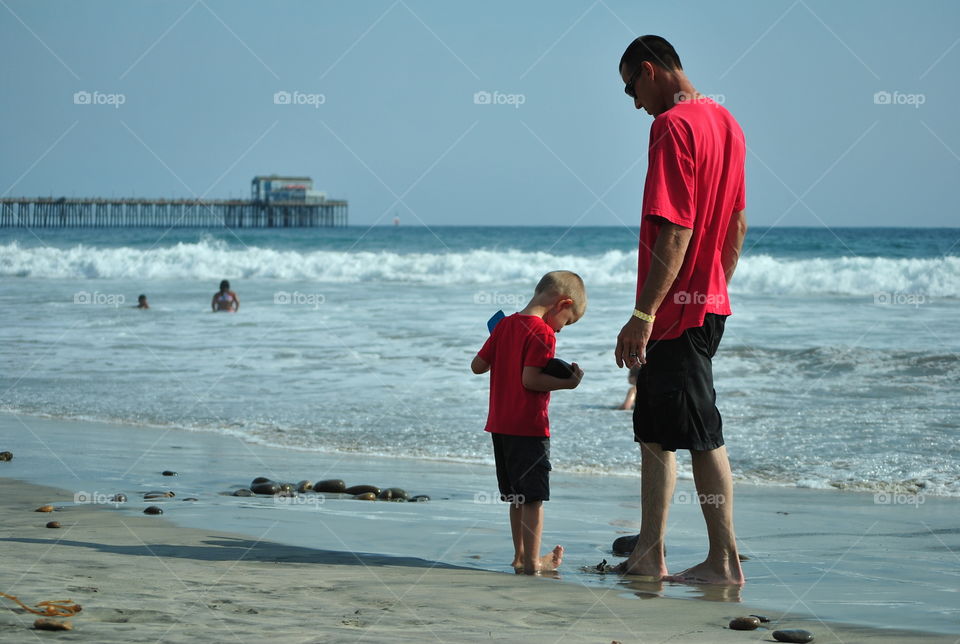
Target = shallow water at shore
(837,556)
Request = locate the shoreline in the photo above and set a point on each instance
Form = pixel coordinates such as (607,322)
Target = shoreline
(140,577)
(905,488)
(818,556)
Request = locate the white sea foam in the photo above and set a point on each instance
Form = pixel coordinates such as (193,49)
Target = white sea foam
(211,260)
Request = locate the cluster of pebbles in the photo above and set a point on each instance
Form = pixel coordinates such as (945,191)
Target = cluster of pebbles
(753,622)
(263,486)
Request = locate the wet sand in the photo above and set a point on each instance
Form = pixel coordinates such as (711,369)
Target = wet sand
(142,578)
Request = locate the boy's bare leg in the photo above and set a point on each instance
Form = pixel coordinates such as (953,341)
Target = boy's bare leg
(516,512)
(531,528)
(711,473)
(658,475)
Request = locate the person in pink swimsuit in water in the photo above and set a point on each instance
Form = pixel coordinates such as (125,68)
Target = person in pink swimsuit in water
(225,299)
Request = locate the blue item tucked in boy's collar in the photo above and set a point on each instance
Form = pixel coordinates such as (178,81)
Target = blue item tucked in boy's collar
(492,322)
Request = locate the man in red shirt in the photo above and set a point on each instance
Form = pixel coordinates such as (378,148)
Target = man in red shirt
(516,353)
(691,232)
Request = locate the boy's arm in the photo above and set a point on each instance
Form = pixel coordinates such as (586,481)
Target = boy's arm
(479,365)
(534,379)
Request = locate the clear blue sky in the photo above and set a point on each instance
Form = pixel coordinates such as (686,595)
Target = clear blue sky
(399,131)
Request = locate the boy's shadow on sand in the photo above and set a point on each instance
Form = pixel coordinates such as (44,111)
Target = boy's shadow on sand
(232,549)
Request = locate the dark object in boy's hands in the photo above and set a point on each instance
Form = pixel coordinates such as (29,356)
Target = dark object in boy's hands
(558,368)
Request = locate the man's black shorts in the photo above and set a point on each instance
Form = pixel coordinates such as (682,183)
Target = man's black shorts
(676,404)
(523,467)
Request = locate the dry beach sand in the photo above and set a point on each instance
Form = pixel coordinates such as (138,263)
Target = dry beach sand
(141,578)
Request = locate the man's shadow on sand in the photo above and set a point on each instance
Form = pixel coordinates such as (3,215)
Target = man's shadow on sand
(221,548)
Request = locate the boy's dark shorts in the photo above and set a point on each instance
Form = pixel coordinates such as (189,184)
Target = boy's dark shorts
(676,403)
(523,467)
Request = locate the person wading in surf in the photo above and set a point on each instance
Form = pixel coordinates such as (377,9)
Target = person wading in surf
(691,232)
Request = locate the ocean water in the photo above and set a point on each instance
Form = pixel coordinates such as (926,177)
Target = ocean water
(839,368)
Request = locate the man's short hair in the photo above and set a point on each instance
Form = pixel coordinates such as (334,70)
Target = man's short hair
(564,283)
(650,48)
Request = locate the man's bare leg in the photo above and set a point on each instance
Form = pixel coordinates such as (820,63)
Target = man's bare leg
(529,527)
(711,473)
(658,476)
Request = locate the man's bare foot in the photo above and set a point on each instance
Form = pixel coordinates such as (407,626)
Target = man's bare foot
(646,564)
(624,568)
(729,574)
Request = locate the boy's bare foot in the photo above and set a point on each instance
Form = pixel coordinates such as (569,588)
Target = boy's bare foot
(552,560)
(548,562)
(708,573)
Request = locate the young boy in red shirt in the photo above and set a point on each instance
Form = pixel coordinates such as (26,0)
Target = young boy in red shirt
(515,354)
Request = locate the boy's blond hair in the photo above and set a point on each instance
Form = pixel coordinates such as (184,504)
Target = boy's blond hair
(563,284)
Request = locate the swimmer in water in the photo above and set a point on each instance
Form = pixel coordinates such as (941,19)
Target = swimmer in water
(142,302)
(225,299)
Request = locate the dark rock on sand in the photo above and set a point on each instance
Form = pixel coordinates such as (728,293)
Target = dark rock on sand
(420,498)
(366,496)
(304,486)
(159,493)
(763,618)
(118,498)
(243,492)
(6,456)
(44,508)
(168,473)
(744,623)
(153,510)
(53,524)
(363,489)
(191,498)
(396,494)
(625,545)
(330,485)
(287,487)
(47,624)
(267,487)
(151,496)
(259,479)
(793,635)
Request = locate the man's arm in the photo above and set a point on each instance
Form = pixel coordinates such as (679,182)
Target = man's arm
(479,365)
(668,253)
(733,242)
(667,259)
(534,379)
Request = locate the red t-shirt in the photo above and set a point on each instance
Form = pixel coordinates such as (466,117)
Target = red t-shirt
(517,341)
(695,179)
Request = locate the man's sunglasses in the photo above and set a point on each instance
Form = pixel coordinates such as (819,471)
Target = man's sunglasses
(628,88)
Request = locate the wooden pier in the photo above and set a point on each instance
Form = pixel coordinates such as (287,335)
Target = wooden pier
(21,212)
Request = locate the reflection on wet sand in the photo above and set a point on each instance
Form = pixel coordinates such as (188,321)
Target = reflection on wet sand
(650,587)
